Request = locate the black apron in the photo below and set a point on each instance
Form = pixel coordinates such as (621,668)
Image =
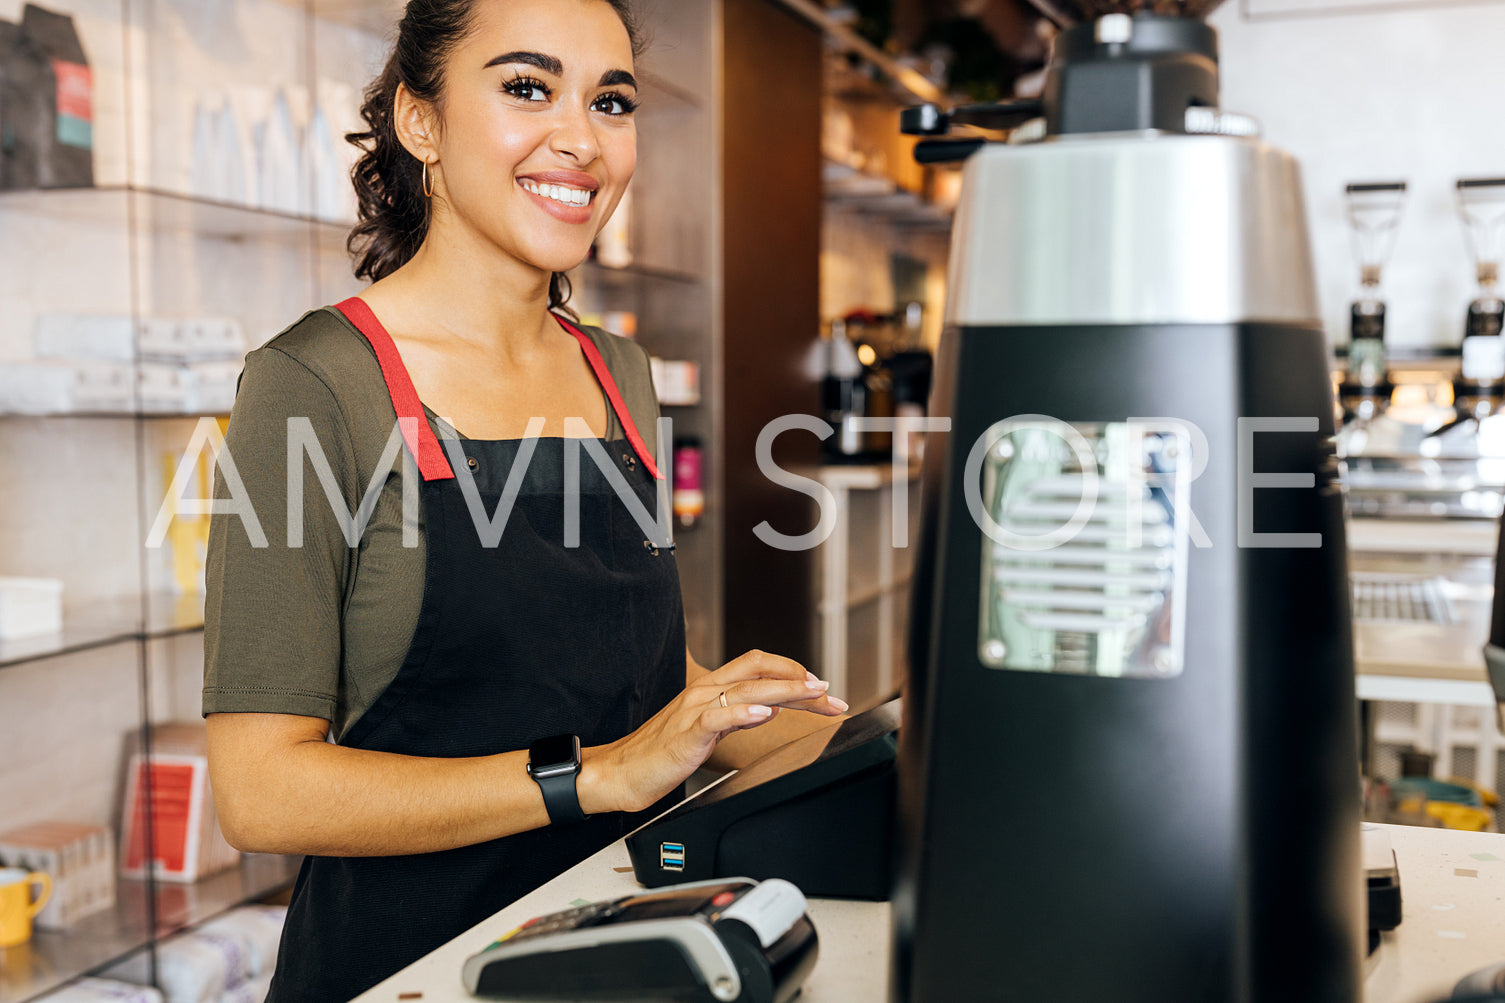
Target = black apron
(514,643)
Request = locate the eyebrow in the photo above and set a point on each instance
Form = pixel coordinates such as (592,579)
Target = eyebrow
(547,63)
(553,65)
(618,78)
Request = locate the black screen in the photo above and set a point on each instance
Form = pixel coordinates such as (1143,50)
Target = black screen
(552,751)
(786,759)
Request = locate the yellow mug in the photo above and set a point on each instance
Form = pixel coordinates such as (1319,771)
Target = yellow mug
(18,905)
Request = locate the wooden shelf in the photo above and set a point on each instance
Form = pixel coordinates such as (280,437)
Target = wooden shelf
(53,958)
(594,273)
(910,83)
(845,185)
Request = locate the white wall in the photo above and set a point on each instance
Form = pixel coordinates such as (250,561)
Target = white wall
(1412,94)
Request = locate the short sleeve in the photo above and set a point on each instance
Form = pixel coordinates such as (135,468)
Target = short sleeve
(272,612)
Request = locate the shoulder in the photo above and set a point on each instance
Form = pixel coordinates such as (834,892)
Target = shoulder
(324,350)
(630,367)
(331,349)
(320,368)
(626,359)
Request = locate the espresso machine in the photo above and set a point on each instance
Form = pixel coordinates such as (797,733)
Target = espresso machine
(1374,212)
(1129,759)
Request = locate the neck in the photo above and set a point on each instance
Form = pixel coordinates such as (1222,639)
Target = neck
(463,286)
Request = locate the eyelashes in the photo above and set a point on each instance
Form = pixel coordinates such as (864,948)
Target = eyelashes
(531,89)
(629,105)
(518,86)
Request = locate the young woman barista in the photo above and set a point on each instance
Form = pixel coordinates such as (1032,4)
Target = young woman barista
(501,703)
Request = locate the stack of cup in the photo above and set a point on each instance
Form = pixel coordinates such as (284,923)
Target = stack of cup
(23,894)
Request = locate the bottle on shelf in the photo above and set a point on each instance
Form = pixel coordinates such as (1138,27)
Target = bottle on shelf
(689,492)
(843,397)
(614,245)
(910,369)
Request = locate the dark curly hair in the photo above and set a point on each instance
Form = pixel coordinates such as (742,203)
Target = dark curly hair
(393,211)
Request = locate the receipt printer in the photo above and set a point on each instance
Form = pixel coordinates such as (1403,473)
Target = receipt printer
(735,941)
(818,811)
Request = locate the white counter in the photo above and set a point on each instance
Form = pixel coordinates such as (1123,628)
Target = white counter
(1454,923)
(1416,661)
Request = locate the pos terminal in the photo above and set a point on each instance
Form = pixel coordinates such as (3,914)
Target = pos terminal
(818,812)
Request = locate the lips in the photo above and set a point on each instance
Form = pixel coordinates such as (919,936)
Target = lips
(569,188)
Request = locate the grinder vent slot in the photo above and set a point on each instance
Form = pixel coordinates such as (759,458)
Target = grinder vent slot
(1085,547)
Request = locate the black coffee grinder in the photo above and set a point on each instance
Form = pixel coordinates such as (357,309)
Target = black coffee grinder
(1129,759)
(1480,387)
(1374,212)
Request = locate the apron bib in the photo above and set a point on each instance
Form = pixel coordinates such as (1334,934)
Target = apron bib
(514,643)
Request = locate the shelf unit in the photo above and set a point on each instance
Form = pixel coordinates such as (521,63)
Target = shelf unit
(53,958)
(109,622)
(161,210)
(79,490)
(79,496)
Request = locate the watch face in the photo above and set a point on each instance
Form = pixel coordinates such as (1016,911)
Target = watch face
(552,756)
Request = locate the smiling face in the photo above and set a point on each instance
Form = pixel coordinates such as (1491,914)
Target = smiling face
(537,141)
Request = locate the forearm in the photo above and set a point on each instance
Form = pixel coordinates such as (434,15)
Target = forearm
(329,800)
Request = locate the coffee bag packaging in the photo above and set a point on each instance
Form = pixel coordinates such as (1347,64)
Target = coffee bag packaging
(66,155)
(23,79)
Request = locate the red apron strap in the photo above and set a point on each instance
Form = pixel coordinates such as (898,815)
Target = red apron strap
(424,448)
(603,376)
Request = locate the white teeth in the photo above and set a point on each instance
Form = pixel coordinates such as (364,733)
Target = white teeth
(559,193)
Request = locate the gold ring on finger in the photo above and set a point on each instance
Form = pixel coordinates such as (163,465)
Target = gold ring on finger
(722,698)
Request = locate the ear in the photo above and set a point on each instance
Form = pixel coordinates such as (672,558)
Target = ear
(416,125)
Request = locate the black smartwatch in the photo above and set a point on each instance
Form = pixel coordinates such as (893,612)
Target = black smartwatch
(554,763)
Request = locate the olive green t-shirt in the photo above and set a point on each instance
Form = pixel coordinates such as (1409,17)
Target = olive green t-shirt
(321,630)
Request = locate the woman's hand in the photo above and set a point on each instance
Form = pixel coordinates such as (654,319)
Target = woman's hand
(635,771)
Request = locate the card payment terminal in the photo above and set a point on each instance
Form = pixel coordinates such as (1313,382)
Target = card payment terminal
(730,941)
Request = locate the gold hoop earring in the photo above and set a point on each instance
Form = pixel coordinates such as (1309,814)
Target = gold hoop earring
(428,181)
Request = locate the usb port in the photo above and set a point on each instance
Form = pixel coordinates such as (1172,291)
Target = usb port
(671,856)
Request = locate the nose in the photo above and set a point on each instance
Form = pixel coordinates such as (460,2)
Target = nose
(575,136)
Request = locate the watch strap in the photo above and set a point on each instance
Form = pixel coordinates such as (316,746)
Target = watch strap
(560,798)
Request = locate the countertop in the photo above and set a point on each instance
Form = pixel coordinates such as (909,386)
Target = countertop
(1452,887)
(1420,661)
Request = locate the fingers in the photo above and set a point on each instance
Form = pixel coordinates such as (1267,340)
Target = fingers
(760,678)
(776,692)
(828,705)
(736,717)
(757,665)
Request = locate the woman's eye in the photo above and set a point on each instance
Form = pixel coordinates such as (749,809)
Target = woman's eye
(615,104)
(528,90)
